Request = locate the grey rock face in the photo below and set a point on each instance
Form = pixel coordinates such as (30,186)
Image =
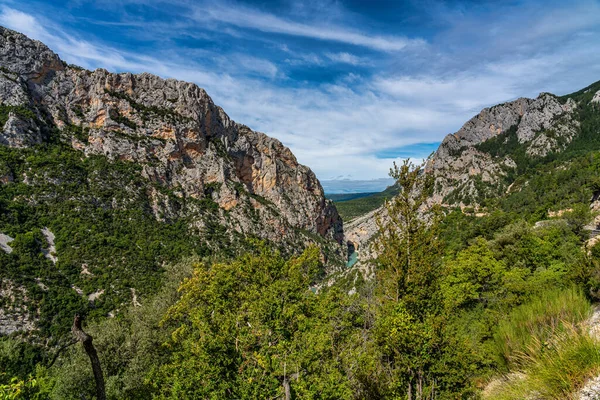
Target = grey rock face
(492,121)
(13,89)
(20,133)
(547,124)
(596,98)
(18,130)
(591,390)
(15,317)
(28,58)
(541,125)
(176,133)
(360,233)
(4,243)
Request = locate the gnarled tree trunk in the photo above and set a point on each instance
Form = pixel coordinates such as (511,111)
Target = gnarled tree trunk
(86,341)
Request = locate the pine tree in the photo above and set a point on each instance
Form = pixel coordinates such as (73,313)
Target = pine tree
(408,247)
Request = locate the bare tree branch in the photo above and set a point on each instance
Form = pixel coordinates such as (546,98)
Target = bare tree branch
(60,350)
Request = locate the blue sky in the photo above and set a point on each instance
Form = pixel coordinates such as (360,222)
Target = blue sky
(349,86)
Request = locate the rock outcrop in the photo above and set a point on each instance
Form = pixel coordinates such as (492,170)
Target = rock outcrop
(14,313)
(218,179)
(172,129)
(464,167)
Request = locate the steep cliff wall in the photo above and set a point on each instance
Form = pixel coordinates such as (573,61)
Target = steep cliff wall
(171,128)
(220,180)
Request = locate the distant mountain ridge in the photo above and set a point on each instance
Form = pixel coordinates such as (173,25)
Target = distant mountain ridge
(348,186)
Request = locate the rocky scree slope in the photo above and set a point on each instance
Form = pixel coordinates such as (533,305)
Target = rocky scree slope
(189,163)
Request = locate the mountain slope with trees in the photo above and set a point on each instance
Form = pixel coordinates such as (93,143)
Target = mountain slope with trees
(106,178)
(484,283)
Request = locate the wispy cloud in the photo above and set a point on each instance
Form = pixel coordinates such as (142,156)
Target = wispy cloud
(347,58)
(75,50)
(246,17)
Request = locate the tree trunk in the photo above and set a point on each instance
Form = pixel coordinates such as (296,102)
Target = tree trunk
(287,390)
(86,341)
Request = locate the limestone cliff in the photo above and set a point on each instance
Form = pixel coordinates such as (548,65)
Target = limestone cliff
(172,129)
(195,168)
(474,161)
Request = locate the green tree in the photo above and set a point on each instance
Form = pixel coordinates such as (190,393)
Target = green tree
(407,329)
(250,329)
(475,276)
(408,249)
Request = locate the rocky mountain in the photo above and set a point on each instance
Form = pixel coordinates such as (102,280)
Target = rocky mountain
(497,152)
(476,160)
(94,142)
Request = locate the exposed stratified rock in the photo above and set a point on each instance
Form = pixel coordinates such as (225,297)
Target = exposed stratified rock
(591,390)
(4,243)
(50,252)
(540,125)
(359,235)
(360,231)
(492,121)
(14,314)
(13,89)
(174,130)
(19,133)
(28,58)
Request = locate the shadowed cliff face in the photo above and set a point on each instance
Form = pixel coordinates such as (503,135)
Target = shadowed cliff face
(173,130)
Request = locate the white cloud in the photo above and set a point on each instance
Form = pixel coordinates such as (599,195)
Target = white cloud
(304,59)
(75,51)
(245,17)
(256,65)
(22,22)
(346,58)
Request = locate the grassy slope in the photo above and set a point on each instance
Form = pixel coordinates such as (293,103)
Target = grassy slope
(347,196)
(350,209)
(549,345)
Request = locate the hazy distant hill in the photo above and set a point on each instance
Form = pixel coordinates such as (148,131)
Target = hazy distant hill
(342,186)
(350,206)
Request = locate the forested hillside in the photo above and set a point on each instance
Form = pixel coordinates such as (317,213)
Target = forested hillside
(106,178)
(360,205)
